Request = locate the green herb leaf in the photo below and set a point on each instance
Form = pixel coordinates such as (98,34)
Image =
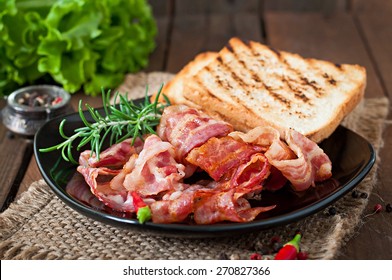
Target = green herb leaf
(121,121)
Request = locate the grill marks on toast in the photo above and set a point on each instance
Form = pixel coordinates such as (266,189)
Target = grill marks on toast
(242,83)
(299,85)
(224,84)
(330,79)
(288,82)
(259,83)
(278,97)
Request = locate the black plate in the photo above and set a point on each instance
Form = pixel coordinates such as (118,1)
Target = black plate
(351,155)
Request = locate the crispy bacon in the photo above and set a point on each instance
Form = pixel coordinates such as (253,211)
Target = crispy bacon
(151,172)
(155,169)
(252,172)
(262,136)
(277,151)
(78,188)
(213,206)
(99,174)
(302,161)
(117,183)
(116,155)
(99,181)
(275,180)
(220,156)
(176,206)
(187,128)
(311,165)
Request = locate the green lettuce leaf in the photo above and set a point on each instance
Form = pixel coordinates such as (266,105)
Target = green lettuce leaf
(79,44)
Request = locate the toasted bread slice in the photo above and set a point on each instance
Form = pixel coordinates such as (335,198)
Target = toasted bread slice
(174,88)
(250,84)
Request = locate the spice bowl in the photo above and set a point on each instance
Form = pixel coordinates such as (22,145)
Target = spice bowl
(28,108)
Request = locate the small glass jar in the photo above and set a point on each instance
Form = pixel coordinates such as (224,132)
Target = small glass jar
(30,107)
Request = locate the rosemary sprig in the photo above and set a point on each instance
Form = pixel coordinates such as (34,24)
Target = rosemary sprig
(121,121)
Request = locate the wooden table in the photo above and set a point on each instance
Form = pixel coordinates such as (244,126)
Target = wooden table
(343,31)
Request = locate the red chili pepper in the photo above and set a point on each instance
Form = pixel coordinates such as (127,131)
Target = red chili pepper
(290,250)
(137,201)
(143,212)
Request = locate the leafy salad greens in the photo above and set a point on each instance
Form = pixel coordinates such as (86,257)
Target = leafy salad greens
(80,44)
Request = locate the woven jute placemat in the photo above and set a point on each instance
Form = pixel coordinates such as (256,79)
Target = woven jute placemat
(40,226)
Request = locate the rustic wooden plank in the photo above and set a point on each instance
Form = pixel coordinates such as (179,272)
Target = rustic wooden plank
(323,6)
(216,6)
(15,152)
(157,59)
(94,101)
(334,38)
(193,34)
(187,40)
(378,7)
(374,20)
(161,8)
(32,175)
(376,24)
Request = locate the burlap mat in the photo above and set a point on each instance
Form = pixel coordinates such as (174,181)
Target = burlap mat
(40,226)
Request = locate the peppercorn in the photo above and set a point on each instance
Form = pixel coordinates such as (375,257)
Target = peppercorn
(36,99)
(10,135)
(388,208)
(256,256)
(290,250)
(57,100)
(263,249)
(364,195)
(354,194)
(332,211)
(277,246)
(275,239)
(223,256)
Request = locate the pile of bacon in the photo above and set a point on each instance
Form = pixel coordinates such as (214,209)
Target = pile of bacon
(240,166)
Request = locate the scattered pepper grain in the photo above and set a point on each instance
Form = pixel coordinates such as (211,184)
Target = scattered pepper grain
(332,211)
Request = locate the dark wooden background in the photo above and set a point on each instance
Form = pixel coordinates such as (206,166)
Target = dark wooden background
(343,31)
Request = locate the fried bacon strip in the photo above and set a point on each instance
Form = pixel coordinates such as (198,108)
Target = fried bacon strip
(155,169)
(99,181)
(175,206)
(116,156)
(213,206)
(301,161)
(220,156)
(311,165)
(151,172)
(187,128)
